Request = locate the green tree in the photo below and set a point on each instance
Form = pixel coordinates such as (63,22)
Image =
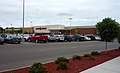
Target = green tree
(32,30)
(1,30)
(108,30)
(21,30)
(118,37)
(67,33)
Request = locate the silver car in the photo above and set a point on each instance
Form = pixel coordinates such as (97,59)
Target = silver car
(59,37)
(1,40)
(11,38)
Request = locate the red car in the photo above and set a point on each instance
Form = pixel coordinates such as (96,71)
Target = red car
(38,37)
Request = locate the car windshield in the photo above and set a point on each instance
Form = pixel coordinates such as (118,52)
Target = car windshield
(14,36)
(38,34)
(51,35)
(26,35)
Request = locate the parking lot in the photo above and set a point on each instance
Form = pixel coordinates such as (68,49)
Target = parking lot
(24,54)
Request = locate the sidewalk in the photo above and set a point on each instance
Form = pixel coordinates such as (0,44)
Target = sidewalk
(112,66)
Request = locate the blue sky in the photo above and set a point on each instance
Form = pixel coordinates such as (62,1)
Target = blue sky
(50,12)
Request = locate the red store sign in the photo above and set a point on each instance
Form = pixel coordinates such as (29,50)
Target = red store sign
(41,28)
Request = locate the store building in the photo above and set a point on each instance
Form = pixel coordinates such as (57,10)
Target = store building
(53,29)
(82,30)
(57,29)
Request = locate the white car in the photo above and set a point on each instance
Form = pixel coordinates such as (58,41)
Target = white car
(26,36)
(87,38)
(59,37)
(51,38)
(97,38)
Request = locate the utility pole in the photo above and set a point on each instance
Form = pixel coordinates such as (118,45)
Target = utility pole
(70,24)
(23,20)
(31,27)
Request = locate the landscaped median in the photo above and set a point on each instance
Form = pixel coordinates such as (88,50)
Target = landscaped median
(73,65)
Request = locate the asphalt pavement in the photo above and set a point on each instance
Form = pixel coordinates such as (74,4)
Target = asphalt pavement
(25,54)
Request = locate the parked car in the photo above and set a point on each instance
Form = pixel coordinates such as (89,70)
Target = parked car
(51,38)
(94,37)
(59,37)
(67,38)
(38,37)
(86,38)
(26,37)
(80,38)
(11,38)
(1,40)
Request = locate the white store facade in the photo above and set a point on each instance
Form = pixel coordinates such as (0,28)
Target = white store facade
(53,29)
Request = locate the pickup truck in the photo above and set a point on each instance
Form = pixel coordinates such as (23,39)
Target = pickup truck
(38,37)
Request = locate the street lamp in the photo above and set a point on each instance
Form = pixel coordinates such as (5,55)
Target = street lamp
(12,29)
(31,26)
(11,25)
(23,19)
(0,29)
(70,24)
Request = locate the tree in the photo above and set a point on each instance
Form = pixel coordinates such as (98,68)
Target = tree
(118,37)
(1,30)
(108,30)
(20,31)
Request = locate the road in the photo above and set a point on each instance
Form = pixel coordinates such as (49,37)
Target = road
(25,54)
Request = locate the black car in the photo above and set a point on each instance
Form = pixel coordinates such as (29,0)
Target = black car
(94,37)
(11,38)
(67,38)
(78,38)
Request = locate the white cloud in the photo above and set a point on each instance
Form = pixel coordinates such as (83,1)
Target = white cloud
(83,12)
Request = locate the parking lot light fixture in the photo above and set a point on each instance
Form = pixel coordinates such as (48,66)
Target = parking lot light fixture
(23,20)
(31,27)
(70,24)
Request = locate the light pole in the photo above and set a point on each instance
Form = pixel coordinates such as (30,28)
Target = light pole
(23,20)
(0,29)
(31,27)
(70,24)
(11,25)
(12,29)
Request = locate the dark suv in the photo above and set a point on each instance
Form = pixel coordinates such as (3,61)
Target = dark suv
(67,38)
(11,38)
(77,38)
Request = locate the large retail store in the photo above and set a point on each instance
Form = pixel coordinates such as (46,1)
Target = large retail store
(57,29)
(62,29)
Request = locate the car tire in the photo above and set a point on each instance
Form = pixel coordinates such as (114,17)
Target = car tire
(18,42)
(1,43)
(29,40)
(78,40)
(25,39)
(10,42)
(36,41)
(44,41)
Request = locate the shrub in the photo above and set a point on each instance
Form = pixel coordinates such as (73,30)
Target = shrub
(91,57)
(76,57)
(37,68)
(119,48)
(61,59)
(87,55)
(62,66)
(94,53)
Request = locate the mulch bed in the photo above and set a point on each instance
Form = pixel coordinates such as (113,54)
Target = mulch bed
(76,66)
